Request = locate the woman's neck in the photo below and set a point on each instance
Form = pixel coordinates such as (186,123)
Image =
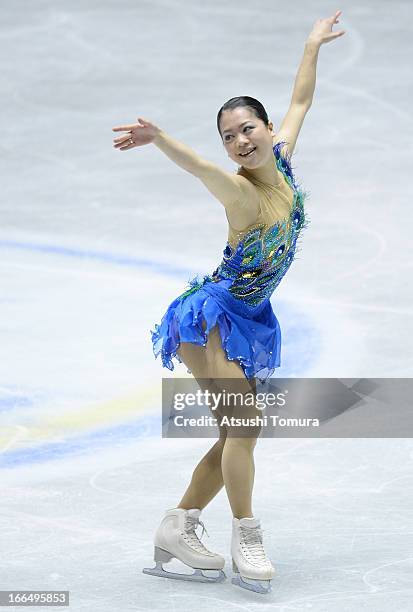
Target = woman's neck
(267,173)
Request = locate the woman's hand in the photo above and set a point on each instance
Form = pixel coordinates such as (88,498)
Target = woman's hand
(137,134)
(322,30)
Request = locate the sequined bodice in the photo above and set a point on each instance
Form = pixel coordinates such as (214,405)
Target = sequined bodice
(261,258)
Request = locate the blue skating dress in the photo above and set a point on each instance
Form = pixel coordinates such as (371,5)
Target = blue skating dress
(236,297)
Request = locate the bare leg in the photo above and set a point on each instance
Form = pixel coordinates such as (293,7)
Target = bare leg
(238,471)
(237,464)
(207,478)
(230,461)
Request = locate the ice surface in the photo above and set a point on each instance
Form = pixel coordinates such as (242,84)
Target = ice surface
(96,243)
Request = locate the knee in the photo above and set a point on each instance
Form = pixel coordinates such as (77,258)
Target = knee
(248,442)
(244,422)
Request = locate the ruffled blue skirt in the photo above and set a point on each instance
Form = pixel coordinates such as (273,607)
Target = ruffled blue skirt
(251,335)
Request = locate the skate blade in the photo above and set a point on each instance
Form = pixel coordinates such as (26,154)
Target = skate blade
(197,576)
(258,586)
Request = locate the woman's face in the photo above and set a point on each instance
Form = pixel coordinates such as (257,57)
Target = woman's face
(241,132)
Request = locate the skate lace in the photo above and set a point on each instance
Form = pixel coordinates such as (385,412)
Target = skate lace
(191,524)
(251,537)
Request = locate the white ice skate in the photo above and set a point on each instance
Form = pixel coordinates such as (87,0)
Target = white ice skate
(176,538)
(250,563)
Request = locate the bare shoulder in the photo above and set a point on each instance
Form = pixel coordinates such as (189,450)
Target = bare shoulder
(233,191)
(248,188)
(244,213)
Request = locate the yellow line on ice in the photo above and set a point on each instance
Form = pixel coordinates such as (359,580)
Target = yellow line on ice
(59,426)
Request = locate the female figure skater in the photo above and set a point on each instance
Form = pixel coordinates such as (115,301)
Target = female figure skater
(223,327)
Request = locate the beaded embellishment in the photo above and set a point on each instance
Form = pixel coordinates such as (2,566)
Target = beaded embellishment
(264,254)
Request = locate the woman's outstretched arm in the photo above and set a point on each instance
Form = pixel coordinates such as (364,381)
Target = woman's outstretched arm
(144,132)
(305,81)
(232,190)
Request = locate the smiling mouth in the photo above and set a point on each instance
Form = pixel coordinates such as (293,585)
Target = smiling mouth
(248,153)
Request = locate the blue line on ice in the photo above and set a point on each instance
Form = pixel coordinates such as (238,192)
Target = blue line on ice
(145,426)
(8,403)
(121,260)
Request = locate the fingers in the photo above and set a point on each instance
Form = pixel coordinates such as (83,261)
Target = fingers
(334,18)
(124,142)
(123,137)
(121,142)
(334,35)
(133,126)
(125,145)
(140,132)
(124,128)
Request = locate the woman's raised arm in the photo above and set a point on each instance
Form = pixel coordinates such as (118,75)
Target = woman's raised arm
(305,81)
